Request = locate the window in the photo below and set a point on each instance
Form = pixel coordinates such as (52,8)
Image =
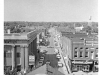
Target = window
(8,55)
(18,54)
(96,55)
(87,48)
(81,48)
(75,54)
(75,47)
(96,63)
(4,54)
(97,49)
(86,54)
(92,55)
(81,54)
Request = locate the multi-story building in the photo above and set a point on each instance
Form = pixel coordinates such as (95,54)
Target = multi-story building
(18,47)
(84,54)
(82,51)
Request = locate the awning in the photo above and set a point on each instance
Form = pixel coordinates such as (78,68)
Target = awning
(81,62)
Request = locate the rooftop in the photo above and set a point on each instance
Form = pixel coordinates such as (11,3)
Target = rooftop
(24,35)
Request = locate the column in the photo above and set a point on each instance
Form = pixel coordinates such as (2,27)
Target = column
(13,57)
(22,57)
(38,39)
(26,58)
(31,48)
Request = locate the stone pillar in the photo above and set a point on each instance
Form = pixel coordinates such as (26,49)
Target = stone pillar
(26,58)
(37,39)
(13,57)
(22,57)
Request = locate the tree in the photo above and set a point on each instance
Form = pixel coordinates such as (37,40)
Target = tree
(88,29)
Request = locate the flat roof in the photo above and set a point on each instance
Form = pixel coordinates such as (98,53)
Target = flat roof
(79,36)
(74,35)
(21,35)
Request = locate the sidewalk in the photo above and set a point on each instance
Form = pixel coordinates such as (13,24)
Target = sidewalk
(64,68)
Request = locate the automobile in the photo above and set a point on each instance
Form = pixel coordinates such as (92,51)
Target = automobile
(56,44)
(40,40)
(55,40)
(40,63)
(81,38)
(50,47)
(60,64)
(65,57)
(59,57)
(44,50)
(41,58)
(48,62)
(58,54)
(56,51)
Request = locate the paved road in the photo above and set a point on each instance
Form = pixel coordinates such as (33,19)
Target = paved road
(50,55)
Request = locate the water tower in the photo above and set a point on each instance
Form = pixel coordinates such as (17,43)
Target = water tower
(90,21)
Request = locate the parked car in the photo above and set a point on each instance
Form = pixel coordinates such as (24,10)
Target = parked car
(41,58)
(40,63)
(50,47)
(60,64)
(56,51)
(58,57)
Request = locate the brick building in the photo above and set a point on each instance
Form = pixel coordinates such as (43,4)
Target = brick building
(82,51)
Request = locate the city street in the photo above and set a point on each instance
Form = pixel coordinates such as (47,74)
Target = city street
(50,56)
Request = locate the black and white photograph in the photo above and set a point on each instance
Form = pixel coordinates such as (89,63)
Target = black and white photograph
(50,37)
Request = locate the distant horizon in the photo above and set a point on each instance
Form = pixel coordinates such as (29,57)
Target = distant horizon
(47,21)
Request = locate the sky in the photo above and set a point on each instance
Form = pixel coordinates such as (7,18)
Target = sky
(50,10)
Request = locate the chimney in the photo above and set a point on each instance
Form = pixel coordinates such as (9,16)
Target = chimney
(8,31)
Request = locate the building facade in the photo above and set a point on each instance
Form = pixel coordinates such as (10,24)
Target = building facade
(18,48)
(85,54)
(82,51)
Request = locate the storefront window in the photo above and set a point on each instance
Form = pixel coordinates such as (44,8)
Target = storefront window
(75,54)
(86,54)
(8,55)
(96,55)
(81,54)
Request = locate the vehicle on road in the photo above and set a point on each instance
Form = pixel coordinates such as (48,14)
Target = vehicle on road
(60,64)
(50,47)
(41,58)
(43,51)
(56,44)
(48,62)
(58,56)
(40,63)
(56,51)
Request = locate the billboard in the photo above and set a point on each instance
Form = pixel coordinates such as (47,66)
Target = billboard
(31,60)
